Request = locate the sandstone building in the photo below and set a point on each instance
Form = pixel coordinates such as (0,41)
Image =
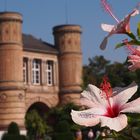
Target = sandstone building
(34,73)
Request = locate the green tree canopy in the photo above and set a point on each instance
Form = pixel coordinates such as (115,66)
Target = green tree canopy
(118,73)
(35,125)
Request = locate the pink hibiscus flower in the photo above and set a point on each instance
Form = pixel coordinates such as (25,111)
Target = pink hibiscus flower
(134,58)
(106,106)
(122,27)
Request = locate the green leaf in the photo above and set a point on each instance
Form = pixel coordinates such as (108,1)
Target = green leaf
(119,45)
(138,30)
(131,42)
(131,35)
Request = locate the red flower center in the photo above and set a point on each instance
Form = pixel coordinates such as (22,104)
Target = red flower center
(112,111)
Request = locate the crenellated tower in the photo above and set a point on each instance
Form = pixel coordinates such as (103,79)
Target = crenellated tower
(12,96)
(67,40)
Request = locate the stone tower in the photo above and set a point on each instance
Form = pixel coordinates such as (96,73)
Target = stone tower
(67,40)
(12,96)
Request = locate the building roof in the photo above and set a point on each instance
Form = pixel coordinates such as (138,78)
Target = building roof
(30,43)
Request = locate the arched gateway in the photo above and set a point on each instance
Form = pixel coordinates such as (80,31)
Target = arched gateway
(40,101)
(40,107)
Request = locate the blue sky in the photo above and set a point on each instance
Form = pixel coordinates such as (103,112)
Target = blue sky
(40,16)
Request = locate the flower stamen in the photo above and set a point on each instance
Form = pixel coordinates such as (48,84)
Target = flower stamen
(108,9)
(107,89)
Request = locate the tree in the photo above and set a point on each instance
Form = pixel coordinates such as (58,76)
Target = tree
(94,71)
(35,125)
(117,72)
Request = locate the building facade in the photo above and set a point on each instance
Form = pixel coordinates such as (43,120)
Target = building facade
(34,73)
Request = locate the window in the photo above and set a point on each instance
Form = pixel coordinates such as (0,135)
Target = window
(25,70)
(49,73)
(36,71)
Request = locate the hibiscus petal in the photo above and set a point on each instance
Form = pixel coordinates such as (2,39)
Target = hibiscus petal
(86,118)
(133,58)
(124,94)
(133,61)
(107,27)
(137,51)
(104,43)
(118,90)
(92,93)
(118,123)
(134,66)
(88,103)
(132,107)
(91,104)
(135,12)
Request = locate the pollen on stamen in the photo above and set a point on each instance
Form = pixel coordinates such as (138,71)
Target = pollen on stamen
(106,88)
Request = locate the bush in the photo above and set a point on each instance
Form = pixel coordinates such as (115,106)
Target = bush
(13,129)
(63,136)
(62,131)
(13,133)
(62,126)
